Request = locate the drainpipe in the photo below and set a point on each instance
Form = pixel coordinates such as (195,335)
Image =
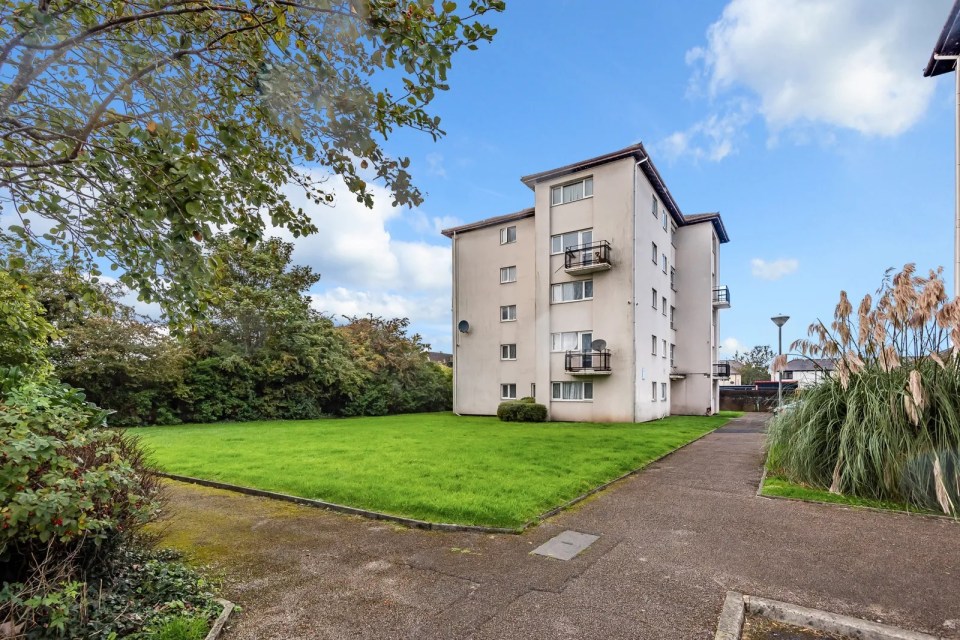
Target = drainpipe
(956,142)
(636,222)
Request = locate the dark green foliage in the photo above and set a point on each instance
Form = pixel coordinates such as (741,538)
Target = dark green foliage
(528,399)
(521,411)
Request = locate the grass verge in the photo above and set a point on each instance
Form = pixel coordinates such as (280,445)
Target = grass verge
(436,467)
(779,487)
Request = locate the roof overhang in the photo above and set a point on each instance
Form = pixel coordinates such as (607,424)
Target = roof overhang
(489,222)
(948,44)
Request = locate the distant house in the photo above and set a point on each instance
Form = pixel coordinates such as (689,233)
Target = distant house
(807,372)
(735,377)
(441,358)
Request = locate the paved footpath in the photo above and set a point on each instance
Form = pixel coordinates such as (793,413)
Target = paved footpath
(673,540)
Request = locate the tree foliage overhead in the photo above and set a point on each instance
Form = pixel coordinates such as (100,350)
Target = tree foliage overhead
(136,129)
(756,364)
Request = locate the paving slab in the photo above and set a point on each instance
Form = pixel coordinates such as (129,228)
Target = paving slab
(566,546)
(673,540)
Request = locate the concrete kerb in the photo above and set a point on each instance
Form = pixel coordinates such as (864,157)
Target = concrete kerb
(736,606)
(221,620)
(412,522)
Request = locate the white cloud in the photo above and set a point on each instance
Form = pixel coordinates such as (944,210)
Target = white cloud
(774,269)
(435,166)
(854,64)
(425,224)
(730,346)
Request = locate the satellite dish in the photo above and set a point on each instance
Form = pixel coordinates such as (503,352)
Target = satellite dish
(463,326)
(598,345)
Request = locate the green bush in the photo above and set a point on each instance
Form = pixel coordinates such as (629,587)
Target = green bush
(520,411)
(886,424)
(528,400)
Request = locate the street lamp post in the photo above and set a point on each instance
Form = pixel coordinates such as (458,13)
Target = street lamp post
(780,321)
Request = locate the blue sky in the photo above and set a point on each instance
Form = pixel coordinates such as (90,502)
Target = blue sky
(806,123)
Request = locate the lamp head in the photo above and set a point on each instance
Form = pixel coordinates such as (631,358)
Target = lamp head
(780,320)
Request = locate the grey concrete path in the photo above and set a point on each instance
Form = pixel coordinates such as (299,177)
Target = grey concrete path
(673,540)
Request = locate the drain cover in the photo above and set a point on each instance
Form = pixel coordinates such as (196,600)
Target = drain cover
(566,546)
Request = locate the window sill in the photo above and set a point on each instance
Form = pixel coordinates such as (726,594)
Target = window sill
(569,301)
(581,401)
(514,320)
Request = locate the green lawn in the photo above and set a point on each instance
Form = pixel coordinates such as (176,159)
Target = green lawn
(779,487)
(437,466)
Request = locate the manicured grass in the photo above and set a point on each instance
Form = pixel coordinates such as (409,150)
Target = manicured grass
(437,466)
(780,487)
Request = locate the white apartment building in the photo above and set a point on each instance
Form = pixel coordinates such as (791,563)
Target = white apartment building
(601,300)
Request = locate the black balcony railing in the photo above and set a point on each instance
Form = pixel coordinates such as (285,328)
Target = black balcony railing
(721,370)
(587,255)
(587,361)
(721,295)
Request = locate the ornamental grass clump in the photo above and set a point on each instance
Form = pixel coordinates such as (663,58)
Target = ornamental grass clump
(886,425)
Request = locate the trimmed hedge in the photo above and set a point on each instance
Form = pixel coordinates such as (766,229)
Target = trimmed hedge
(522,411)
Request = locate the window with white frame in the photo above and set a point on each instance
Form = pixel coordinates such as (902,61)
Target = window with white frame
(663,345)
(654,301)
(673,312)
(673,234)
(673,349)
(663,260)
(508,235)
(561,242)
(508,313)
(655,254)
(572,191)
(508,352)
(653,391)
(663,390)
(656,212)
(508,391)
(673,278)
(653,345)
(572,291)
(508,274)
(571,391)
(665,218)
(663,305)
(571,341)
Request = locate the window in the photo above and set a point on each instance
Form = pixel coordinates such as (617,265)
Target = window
(508,313)
(564,241)
(673,349)
(508,352)
(656,213)
(673,312)
(673,234)
(663,305)
(572,291)
(655,253)
(665,216)
(508,235)
(533,390)
(653,345)
(572,391)
(571,341)
(653,391)
(654,291)
(508,274)
(663,260)
(508,391)
(663,390)
(572,192)
(673,278)
(663,344)
(787,375)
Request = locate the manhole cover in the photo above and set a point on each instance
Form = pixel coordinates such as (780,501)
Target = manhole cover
(565,546)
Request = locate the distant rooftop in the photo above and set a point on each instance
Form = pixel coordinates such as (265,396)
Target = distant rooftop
(640,155)
(948,44)
(814,364)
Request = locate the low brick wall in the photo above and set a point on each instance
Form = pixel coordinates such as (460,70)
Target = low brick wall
(749,399)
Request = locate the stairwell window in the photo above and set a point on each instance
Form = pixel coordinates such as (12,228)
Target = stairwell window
(508,235)
(673,312)
(655,254)
(508,391)
(653,345)
(572,291)
(663,344)
(654,292)
(508,274)
(663,391)
(663,305)
(663,260)
(508,313)
(673,278)
(653,392)
(656,212)
(673,349)
(571,391)
(508,352)
(572,192)
(664,216)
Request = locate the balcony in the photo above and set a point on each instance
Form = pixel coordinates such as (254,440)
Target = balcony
(588,363)
(587,258)
(721,297)
(721,370)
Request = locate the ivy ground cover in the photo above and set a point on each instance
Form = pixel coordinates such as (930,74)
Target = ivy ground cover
(437,467)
